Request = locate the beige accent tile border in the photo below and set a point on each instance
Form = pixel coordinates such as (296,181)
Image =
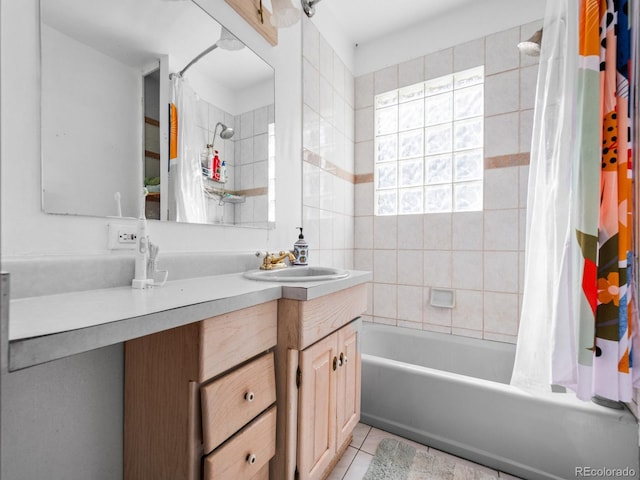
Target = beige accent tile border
(503,161)
(316,160)
(252,192)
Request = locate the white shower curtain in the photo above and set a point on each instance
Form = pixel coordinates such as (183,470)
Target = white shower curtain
(186,199)
(548,258)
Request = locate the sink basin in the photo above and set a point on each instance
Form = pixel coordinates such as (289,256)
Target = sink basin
(297,274)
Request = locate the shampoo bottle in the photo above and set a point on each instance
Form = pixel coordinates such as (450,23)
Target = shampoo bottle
(215,172)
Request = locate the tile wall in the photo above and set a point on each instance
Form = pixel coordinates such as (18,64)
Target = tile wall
(328,152)
(246,155)
(478,254)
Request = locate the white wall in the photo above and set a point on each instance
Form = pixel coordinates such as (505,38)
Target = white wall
(64,419)
(26,230)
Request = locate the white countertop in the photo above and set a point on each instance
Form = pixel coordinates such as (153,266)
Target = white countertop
(48,327)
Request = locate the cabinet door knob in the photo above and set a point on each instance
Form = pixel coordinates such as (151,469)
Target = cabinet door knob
(249,396)
(335,363)
(251,458)
(343,360)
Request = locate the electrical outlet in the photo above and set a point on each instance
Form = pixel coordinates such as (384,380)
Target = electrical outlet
(122,236)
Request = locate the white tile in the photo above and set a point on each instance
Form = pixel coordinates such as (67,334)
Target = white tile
(349,88)
(501,93)
(327,220)
(311,43)
(385,232)
(363,199)
(502,53)
(523,186)
(467,231)
(501,229)
(501,188)
(436,328)
(521,257)
(310,129)
(327,141)
(410,267)
(311,223)
(339,232)
(409,324)
(410,304)
(501,272)
(467,272)
(501,134)
(339,109)
(343,464)
(385,300)
(359,466)
(438,64)
(326,100)
(349,231)
(260,174)
(310,185)
(326,60)
(465,332)
(246,176)
(339,72)
(468,55)
(385,79)
(246,150)
(310,85)
(410,232)
(386,321)
(411,72)
(468,311)
(261,148)
(526,130)
(385,266)
(363,90)
(327,191)
(435,316)
(437,231)
(501,313)
(528,82)
(522,229)
(364,159)
(363,232)
(364,124)
(261,121)
(437,268)
(246,125)
(360,433)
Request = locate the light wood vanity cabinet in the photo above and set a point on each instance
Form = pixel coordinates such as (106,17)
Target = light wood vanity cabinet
(200,399)
(318,379)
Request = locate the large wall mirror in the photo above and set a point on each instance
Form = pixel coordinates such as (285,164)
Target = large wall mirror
(118,116)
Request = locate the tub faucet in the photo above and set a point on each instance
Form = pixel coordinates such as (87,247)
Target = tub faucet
(272,261)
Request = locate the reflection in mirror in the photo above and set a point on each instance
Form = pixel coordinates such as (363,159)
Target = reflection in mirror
(115,117)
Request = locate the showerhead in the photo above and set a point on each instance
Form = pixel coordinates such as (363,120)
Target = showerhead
(532,45)
(227,132)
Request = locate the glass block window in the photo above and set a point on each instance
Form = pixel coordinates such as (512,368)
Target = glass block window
(429,146)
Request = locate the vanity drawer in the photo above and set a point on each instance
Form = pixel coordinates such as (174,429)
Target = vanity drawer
(245,455)
(235,399)
(230,339)
(303,323)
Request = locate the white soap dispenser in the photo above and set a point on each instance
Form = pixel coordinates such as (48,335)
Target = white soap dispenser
(301,250)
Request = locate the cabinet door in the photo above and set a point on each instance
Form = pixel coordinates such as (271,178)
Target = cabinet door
(316,410)
(348,383)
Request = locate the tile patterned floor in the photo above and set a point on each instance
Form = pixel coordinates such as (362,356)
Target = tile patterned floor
(355,461)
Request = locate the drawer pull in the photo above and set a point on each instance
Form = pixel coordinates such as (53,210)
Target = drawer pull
(251,459)
(249,396)
(342,360)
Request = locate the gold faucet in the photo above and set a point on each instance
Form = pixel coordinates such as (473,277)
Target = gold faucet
(272,261)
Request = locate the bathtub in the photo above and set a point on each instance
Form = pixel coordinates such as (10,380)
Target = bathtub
(452,393)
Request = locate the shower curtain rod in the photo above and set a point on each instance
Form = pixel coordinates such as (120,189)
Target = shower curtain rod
(198,57)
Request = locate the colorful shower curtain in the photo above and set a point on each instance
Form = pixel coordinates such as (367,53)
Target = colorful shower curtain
(579,234)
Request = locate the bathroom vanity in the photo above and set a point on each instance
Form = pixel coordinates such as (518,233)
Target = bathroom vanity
(211,365)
